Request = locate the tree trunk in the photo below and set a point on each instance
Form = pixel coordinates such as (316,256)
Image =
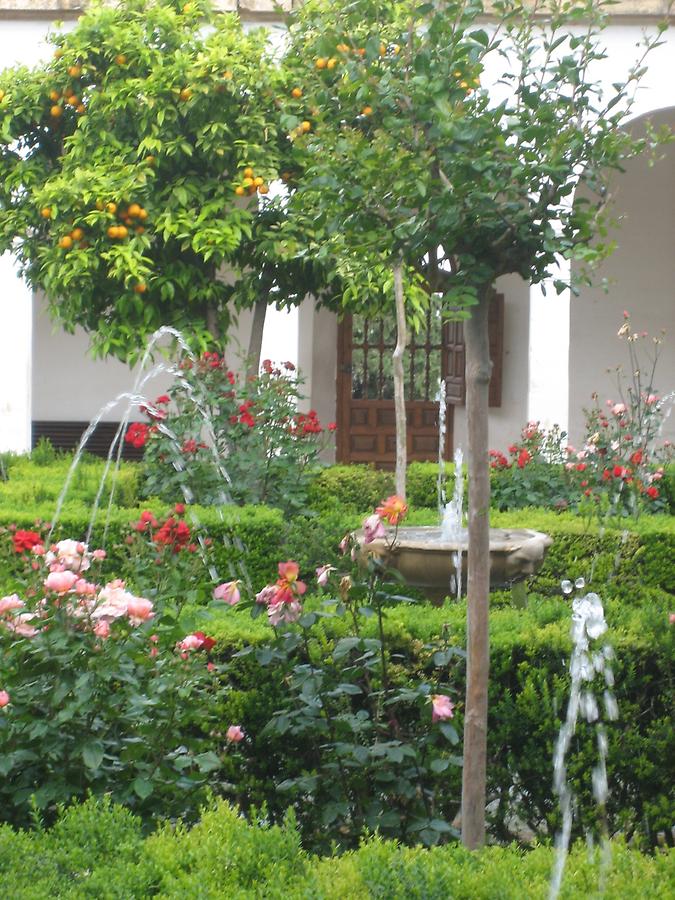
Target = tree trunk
(478,367)
(255,341)
(212,323)
(399,384)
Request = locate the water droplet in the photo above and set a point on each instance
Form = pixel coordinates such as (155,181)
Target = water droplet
(580,584)
(566,587)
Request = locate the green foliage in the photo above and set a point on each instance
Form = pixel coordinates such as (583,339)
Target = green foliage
(98,850)
(528,697)
(215,437)
(372,758)
(409,158)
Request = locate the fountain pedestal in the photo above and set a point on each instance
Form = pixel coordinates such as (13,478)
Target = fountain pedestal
(427,561)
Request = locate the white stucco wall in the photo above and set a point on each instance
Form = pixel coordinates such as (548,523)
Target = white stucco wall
(641,280)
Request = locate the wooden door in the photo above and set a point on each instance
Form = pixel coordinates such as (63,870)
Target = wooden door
(365,385)
(366,419)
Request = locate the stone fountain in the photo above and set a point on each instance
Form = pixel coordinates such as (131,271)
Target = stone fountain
(428,560)
(434,558)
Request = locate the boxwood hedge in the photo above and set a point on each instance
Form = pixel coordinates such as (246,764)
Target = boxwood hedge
(99,850)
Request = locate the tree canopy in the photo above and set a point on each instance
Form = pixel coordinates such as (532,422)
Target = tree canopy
(137,163)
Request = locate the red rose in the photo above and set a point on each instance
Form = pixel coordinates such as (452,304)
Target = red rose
(25,540)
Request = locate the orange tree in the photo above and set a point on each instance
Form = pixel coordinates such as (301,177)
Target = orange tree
(135,166)
(409,158)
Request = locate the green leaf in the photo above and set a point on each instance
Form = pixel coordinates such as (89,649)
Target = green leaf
(92,754)
(208,762)
(142,787)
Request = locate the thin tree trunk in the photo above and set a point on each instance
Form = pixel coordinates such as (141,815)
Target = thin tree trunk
(212,323)
(255,341)
(399,384)
(478,367)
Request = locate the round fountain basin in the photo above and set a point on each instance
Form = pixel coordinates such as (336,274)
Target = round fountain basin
(427,560)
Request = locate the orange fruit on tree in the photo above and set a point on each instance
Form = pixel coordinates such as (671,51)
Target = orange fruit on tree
(99,205)
(142,214)
(263,189)
(113,232)
(150,160)
(112,208)
(367,111)
(77,234)
(120,59)
(305,126)
(247,182)
(248,172)
(56,112)
(58,54)
(54,95)
(332,62)
(46,212)
(139,229)
(140,288)
(80,108)
(227,75)
(296,92)
(122,231)
(185,94)
(74,71)
(65,243)
(343,48)
(258,181)
(239,191)
(134,210)
(383,50)
(321,63)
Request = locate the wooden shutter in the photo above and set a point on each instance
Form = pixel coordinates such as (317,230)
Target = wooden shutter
(456,360)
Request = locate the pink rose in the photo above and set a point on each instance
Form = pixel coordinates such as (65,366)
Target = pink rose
(102,629)
(99,554)
(284,611)
(234,734)
(60,582)
(21,625)
(265,596)
(671,618)
(442,707)
(373,529)
(323,573)
(228,593)
(619,409)
(191,642)
(4,699)
(13,601)
(139,610)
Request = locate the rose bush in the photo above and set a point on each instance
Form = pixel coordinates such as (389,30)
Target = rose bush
(100,692)
(617,471)
(217,435)
(375,748)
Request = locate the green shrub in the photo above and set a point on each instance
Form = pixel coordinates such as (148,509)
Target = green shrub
(356,488)
(97,850)
(31,483)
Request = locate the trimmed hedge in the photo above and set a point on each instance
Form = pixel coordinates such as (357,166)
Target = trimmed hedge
(32,484)
(529,687)
(99,850)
